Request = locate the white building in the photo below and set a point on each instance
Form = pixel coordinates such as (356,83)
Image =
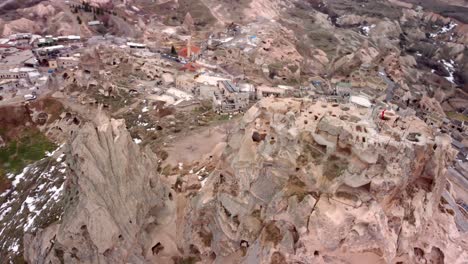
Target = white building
(94,23)
(136,45)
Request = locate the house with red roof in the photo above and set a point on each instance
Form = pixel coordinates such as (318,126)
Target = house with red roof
(189,52)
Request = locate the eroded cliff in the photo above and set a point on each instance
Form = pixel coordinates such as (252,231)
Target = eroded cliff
(114,196)
(315,182)
(300,181)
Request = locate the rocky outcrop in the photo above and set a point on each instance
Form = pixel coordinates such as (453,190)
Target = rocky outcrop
(39,11)
(431,105)
(114,197)
(351,20)
(386,35)
(299,181)
(19,26)
(316,182)
(189,24)
(364,55)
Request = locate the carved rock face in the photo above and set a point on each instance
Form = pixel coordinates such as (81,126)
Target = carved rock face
(329,189)
(118,196)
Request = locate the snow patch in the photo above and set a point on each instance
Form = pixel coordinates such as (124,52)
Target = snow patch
(56,192)
(60,158)
(169,31)
(447,28)
(14,247)
(143,124)
(226,40)
(450,67)
(20,176)
(50,154)
(366,29)
(202,183)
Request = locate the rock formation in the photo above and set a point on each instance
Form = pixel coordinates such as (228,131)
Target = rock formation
(364,55)
(20,25)
(189,23)
(39,11)
(300,181)
(308,182)
(114,198)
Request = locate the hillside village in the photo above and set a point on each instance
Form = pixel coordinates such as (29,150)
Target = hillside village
(206,104)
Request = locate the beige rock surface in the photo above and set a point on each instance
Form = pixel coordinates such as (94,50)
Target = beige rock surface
(19,26)
(299,181)
(115,199)
(326,187)
(41,11)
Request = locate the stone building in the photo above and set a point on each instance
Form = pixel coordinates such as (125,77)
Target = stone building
(266,91)
(228,98)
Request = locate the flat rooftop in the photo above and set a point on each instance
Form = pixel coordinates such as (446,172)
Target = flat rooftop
(17,58)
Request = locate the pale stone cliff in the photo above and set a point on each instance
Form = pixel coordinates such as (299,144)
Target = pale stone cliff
(299,182)
(114,197)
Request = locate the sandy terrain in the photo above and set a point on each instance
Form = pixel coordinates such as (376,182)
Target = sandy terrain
(197,146)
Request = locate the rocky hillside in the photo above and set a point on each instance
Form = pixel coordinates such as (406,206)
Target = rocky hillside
(300,181)
(289,181)
(317,183)
(115,200)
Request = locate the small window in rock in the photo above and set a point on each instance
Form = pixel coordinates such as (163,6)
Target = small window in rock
(316,253)
(257,137)
(74,250)
(244,244)
(212,255)
(157,248)
(194,250)
(76,121)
